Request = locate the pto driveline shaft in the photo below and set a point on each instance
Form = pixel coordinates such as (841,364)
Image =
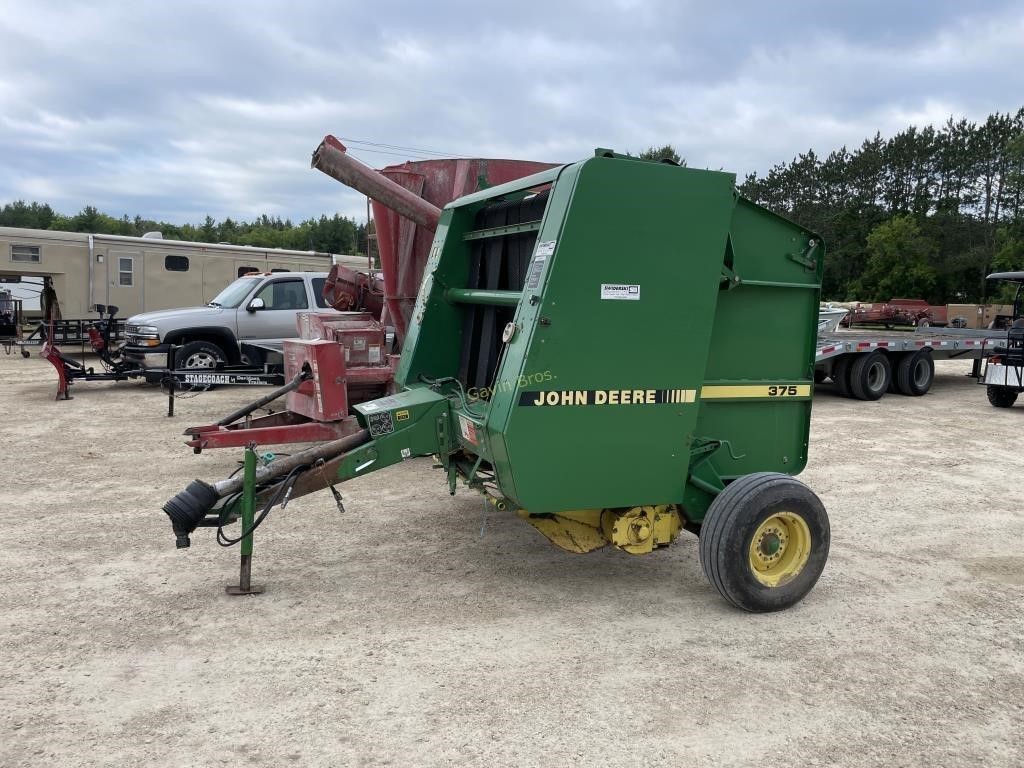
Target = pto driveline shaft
(282,466)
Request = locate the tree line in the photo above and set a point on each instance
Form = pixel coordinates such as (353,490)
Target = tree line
(926,213)
(330,234)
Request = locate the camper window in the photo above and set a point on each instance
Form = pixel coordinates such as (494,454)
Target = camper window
(176,263)
(125,270)
(30,253)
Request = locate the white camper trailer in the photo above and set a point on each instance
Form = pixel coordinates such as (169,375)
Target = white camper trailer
(139,274)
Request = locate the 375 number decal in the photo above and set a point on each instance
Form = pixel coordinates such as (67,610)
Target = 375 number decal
(783,390)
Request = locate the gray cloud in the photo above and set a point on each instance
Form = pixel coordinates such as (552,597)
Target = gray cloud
(177,110)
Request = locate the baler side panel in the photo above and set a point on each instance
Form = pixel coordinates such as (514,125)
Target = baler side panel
(432,343)
(763,337)
(628,223)
(509,380)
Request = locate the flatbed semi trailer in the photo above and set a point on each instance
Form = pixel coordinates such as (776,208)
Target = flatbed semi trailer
(865,365)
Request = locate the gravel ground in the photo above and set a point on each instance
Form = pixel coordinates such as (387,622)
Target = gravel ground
(397,635)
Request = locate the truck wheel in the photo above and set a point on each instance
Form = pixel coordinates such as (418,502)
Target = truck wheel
(819,376)
(869,376)
(915,373)
(764,541)
(841,375)
(1001,397)
(200,354)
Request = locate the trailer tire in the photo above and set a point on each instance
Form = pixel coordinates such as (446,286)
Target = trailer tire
(894,363)
(1001,397)
(915,373)
(819,376)
(201,355)
(764,541)
(869,376)
(841,375)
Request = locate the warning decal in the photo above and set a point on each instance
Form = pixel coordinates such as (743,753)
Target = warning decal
(468,429)
(533,279)
(380,423)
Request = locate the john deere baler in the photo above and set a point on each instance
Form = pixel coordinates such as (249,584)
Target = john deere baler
(616,350)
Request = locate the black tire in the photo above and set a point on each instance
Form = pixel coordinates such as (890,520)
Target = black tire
(894,362)
(200,355)
(841,375)
(869,375)
(1001,397)
(756,503)
(915,373)
(819,376)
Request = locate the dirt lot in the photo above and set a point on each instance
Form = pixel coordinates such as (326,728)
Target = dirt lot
(396,635)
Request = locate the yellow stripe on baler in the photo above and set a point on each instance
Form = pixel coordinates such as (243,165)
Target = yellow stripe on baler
(756,391)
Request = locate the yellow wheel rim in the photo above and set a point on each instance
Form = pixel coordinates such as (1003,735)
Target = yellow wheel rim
(779,549)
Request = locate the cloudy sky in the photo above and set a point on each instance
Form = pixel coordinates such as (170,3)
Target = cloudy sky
(175,110)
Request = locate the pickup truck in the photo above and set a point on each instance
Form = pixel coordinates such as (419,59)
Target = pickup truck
(257,308)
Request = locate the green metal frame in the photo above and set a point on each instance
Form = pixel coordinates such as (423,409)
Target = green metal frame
(602,400)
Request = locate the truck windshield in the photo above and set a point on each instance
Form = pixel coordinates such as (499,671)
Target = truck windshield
(232,296)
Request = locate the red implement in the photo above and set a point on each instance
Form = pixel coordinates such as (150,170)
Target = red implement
(347,358)
(407,200)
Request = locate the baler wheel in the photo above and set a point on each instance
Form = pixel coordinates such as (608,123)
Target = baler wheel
(870,375)
(1001,397)
(764,541)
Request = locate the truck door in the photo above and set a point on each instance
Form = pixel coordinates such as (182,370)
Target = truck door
(282,300)
(124,276)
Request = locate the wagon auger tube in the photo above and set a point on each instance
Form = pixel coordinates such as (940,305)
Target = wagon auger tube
(332,158)
(304,375)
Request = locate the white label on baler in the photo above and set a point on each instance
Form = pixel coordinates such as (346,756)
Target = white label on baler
(545,248)
(620,291)
(373,355)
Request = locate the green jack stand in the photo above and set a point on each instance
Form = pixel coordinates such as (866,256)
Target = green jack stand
(245,585)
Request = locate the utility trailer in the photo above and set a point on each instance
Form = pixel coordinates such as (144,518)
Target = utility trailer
(67,333)
(865,365)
